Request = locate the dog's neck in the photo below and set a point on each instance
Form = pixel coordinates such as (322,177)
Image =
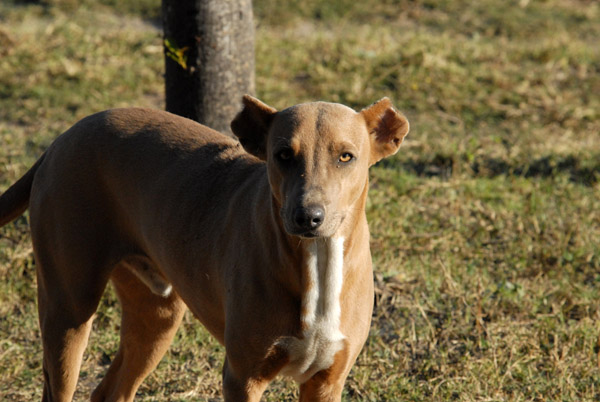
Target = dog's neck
(322,282)
(320,339)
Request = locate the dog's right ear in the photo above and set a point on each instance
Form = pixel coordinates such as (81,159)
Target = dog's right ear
(387,129)
(251,126)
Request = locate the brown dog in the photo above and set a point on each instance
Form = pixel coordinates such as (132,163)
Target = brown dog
(268,244)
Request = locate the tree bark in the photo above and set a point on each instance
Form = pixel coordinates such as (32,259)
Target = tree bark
(212,65)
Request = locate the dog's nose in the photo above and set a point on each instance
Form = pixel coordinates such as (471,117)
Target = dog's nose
(310,217)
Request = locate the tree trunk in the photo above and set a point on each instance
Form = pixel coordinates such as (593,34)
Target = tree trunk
(209,58)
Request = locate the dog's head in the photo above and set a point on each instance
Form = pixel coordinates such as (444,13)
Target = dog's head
(317,156)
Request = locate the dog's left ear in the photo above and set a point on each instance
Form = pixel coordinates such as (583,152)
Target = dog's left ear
(387,128)
(251,126)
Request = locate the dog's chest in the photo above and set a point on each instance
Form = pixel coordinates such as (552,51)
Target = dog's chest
(321,337)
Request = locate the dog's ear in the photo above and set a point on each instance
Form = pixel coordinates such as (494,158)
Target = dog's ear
(251,126)
(387,128)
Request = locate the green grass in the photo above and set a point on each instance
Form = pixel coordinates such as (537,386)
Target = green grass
(485,227)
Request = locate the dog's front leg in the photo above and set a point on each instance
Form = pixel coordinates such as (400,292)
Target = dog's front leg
(241,388)
(322,387)
(327,385)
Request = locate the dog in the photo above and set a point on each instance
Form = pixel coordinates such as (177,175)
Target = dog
(265,240)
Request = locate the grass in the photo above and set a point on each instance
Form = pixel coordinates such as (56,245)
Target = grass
(485,227)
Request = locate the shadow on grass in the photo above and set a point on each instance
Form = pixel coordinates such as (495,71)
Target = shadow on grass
(443,166)
(440,166)
(545,167)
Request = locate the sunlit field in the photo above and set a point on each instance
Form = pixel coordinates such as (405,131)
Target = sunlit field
(485,227)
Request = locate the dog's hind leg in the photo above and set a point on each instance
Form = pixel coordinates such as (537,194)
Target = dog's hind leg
(149,323)
(64,342)
(66,306)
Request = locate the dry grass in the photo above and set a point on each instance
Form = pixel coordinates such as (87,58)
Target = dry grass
(485,228)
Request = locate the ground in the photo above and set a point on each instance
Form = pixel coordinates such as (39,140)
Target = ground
(485,227)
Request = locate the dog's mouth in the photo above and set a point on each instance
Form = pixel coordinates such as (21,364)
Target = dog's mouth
(309,235)
(302,233)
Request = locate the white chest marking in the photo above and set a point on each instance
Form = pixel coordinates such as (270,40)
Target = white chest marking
(321,337)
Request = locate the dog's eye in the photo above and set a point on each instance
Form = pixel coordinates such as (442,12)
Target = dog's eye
(285,155)
(346,157)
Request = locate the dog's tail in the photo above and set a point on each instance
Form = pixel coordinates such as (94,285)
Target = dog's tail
(15,200)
